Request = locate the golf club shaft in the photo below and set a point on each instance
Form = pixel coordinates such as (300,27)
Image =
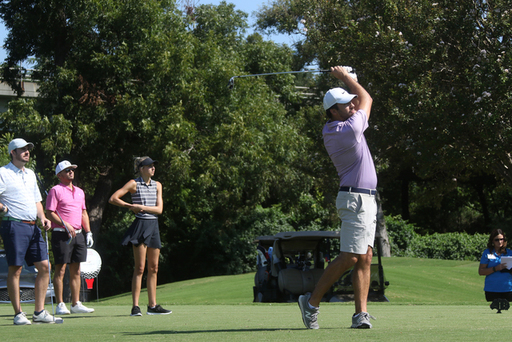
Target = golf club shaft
(50,274)
(282,73)
(232,79)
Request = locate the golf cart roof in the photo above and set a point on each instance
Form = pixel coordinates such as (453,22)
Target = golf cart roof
(296,241)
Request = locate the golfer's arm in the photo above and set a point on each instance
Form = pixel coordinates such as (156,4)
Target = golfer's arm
(86,225)
(364,100)
(115,199)
(40,212)
(52,216)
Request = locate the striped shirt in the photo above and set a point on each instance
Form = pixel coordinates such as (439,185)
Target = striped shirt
(145,195)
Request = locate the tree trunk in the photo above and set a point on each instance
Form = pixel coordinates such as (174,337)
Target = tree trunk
(98,202)
(381,232)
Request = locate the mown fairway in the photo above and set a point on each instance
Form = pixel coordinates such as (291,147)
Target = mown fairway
(430,300)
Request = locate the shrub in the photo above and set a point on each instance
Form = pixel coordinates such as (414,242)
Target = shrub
(405,241)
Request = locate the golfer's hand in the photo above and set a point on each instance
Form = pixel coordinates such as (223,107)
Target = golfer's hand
(88,238)
(135,208)
(341,73)
(47,224)
(71,230)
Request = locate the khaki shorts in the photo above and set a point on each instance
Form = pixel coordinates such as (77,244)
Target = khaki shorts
(358,214)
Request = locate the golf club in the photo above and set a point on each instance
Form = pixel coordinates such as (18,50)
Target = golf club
(231,83)
(59,321)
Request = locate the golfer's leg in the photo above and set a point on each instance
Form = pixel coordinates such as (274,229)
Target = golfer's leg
(153,256)
(139,256)
(361,280)
(331,274)
(74,282)
(58,281)
(41,286)
(13,287)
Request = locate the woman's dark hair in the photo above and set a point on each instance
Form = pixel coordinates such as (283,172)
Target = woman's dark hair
(490,243)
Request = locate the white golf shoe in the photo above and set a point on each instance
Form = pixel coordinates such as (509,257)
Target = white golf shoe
(62,309)
(80,308)
(46,317)
(21,319)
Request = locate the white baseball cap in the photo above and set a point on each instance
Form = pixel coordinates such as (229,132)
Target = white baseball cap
(337,95)
(19,143)
(64,165)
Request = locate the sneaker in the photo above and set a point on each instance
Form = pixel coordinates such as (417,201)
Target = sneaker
(136,311)
(362,321)
(62,309)
(158,310)
(21,319)
(80,308)
(45,317)
(309,315)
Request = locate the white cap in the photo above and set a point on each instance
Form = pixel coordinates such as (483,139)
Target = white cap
(64,165)
(19,143)
(337,95)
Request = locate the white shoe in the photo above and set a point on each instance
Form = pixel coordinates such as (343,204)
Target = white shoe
(80,308)
(21,319)
(62,309)
(45,317)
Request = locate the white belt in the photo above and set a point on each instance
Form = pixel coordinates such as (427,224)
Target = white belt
(77,231)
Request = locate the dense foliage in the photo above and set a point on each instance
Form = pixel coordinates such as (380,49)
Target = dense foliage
(406,242)
(131,78)
(439,73)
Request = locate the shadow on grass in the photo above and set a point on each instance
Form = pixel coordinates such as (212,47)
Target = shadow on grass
(171,332)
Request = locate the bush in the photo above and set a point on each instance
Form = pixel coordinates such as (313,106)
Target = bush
(405,241)
(401,235)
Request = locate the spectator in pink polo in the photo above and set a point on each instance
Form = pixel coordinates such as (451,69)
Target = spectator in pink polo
(65,207)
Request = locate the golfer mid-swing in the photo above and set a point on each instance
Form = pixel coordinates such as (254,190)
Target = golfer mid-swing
(346,145)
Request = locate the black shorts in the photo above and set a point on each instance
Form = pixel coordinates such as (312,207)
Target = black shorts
(143,231)
(63,253)
(490,296)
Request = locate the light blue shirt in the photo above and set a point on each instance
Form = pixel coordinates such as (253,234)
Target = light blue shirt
(19,192)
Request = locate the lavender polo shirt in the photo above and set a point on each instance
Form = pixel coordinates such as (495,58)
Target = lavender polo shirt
(346,145)
(19,192)
(69,203)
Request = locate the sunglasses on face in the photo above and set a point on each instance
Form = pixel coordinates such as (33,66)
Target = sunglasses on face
(69,170)
(498,240)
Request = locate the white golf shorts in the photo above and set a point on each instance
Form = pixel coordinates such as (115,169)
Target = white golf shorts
(358,214)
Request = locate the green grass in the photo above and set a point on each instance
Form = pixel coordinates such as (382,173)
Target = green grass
(429,300)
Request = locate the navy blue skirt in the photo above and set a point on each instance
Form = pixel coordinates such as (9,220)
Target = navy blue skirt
(143,231)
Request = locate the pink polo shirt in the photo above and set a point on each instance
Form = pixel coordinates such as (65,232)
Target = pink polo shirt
(69,203)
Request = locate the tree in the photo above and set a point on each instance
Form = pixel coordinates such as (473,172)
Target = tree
(438,73)
(142,78)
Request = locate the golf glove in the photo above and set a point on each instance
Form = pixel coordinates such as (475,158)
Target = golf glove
(89,239)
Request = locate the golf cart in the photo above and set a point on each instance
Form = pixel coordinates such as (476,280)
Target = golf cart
(290,264)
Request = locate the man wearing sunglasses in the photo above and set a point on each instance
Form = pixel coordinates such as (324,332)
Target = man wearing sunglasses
(65,207)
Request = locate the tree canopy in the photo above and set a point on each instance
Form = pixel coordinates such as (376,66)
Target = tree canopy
(439,75)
